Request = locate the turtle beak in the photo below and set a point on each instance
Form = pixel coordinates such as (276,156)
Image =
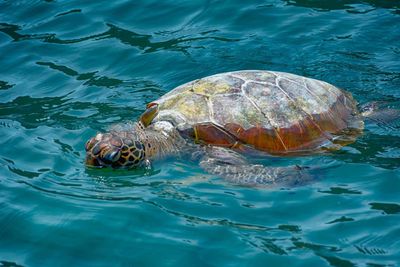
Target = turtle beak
(91,158)
(92,161)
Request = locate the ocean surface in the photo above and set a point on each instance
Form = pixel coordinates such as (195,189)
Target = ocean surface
(69,69)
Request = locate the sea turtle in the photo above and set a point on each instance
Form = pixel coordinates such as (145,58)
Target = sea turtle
(230,115)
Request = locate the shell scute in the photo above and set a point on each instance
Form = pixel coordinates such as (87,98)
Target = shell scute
(324,92)
(274,103)
(304,99)
(237,109)
(216,85)
(256,76)
(193,107)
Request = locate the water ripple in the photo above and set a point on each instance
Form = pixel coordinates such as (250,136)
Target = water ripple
(142,41)
(387,208)
(5,85)
(72,68)
(90,78)
(68,12)
(350,5)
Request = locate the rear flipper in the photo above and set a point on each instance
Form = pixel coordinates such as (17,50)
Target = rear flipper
(376,112)
(233,167)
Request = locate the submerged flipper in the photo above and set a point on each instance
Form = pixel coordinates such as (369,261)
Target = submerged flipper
(233,167)
(384,116)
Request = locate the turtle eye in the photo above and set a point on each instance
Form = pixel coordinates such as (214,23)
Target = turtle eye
(112,155)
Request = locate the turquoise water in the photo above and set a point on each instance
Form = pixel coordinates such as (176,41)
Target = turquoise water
(72,68)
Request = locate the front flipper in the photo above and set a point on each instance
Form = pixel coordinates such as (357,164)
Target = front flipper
(233,167)
(151,112)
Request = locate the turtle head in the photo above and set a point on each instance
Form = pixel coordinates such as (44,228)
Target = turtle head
(124,146)
(115,150)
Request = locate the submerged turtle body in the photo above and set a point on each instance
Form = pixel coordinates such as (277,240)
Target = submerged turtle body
(275,112)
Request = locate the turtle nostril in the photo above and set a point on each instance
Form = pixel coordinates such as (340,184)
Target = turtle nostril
(92,161)
(89,144)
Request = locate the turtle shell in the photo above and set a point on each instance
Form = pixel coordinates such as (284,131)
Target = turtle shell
(270,111)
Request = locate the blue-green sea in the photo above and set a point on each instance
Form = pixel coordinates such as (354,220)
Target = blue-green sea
(69,69)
